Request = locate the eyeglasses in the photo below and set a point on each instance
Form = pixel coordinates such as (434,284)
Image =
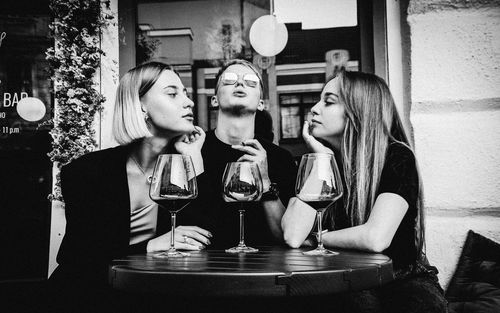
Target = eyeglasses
(251,80)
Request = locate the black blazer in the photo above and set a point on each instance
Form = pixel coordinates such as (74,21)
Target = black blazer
(97,209)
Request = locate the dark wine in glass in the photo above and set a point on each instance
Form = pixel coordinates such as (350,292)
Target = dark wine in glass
(173,186)
(241,183)
(319,185)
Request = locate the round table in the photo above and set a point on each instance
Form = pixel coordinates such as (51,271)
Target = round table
(273,271)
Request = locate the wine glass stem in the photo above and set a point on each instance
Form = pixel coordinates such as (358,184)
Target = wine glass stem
(242,226)
(172,237)
(319,215)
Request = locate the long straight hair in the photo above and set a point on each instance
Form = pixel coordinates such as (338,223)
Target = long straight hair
(372,122)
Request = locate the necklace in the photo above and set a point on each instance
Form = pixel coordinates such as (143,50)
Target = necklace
(149,178)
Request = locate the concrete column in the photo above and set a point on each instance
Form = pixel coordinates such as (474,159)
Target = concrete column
(109,78)
(106,80)
(455,57)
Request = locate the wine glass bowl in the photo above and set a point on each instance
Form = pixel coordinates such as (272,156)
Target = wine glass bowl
(241,183)
(319,185)
(173,186)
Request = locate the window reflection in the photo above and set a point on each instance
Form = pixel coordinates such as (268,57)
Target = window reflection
(25,180)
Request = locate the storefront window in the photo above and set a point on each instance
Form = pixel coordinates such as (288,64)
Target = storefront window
(200,36)
(25,115)
(295,109)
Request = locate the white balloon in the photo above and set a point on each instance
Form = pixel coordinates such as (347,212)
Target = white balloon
(267,36)
(31,109)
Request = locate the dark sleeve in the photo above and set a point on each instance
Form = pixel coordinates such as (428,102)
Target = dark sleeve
(197,213)
(399,174)
(286,177)
(78,245)
(138,248)
(96,230)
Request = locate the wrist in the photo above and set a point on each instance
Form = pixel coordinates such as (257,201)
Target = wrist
(271,194)
(266,183)
(198,163)
(149,247)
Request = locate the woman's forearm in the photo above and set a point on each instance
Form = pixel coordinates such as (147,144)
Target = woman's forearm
(297,222)
(357,237)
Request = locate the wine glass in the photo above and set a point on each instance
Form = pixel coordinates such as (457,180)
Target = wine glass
(319,185)
(173,185)
(241,183)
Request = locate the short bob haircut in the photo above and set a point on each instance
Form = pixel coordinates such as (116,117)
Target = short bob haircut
(129,123)
(240,62)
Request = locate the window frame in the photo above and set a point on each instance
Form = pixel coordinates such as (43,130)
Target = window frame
(303,107)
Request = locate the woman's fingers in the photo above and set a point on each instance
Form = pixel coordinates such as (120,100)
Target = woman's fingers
(185,240)
(200,230)
(198,135)
(184,138)
(198,237)
(312,142)
(199,131)
(305,132)
(193,235)
(187,246)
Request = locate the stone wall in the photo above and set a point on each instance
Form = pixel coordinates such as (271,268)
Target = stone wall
(455,111)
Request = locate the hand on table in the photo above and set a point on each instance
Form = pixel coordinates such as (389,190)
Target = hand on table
(186,238)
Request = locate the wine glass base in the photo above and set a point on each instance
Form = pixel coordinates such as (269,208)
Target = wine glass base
(242,249)
(171,254)
(322,252)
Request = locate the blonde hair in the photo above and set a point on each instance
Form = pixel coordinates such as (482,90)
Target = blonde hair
(129,122)
(372,122)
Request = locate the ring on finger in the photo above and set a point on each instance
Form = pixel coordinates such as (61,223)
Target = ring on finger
(185,238)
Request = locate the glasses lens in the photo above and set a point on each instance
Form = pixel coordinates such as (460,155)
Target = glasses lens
(229,78)
(251,80)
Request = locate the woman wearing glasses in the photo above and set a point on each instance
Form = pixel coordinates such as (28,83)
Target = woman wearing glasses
(381,209)
(107,205)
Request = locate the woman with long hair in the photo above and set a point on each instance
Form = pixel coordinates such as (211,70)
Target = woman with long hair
(381,209)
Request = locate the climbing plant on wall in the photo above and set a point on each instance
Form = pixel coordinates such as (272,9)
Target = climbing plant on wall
(74,60)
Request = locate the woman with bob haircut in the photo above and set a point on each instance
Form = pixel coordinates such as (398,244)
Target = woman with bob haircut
(108,210)
(381,209)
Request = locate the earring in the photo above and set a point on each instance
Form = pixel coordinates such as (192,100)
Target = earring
(214,102)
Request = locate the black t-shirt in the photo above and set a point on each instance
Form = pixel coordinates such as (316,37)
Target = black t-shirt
(223,217)
(399,176)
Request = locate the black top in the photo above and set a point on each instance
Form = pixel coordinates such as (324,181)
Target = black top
(97,209)
(282,171)
(399,176)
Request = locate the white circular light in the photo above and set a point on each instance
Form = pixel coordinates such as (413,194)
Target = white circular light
(267,36)
(31,109)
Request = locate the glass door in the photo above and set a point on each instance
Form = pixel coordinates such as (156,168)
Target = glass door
(25,114)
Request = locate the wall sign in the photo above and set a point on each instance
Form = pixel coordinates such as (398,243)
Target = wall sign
(2,37)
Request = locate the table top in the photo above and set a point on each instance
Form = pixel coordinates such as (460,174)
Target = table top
(273,271)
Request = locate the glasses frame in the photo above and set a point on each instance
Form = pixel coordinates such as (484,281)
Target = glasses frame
(250,79)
